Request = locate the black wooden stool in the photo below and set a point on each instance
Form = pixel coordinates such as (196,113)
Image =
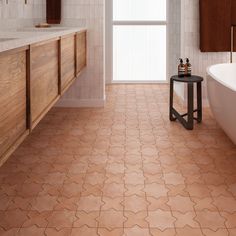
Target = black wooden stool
(174,115)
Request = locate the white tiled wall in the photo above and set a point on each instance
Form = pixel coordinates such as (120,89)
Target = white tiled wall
(18,14)
(190,38)
(174,36)
(89,89)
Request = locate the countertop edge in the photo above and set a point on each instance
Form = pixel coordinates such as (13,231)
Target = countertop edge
(36,37)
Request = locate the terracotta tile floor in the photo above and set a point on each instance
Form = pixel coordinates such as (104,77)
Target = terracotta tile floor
(122,170)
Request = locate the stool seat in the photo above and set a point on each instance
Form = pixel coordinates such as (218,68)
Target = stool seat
(187,79)
(174,115)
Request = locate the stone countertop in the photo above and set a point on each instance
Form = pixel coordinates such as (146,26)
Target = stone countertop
(25,36)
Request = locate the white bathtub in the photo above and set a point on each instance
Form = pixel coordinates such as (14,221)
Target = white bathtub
(221,86)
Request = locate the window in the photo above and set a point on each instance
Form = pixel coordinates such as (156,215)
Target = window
(139,10)
(139,40)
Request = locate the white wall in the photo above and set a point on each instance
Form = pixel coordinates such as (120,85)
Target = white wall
(190,39)
(174,35)
(89,89)
(174,42)
(17,14)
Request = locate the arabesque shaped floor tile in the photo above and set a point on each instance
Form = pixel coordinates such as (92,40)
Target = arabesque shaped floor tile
(185,219)
(86,219)
(84,231)
(33,230)
(89,203)
(136,218)
(158,232)
(160,219)
(227,204)
(56,232)
(181,204)
(135,203)
(114,232)
(116,203)
(111,219)
(61,219)
(220,232)
(136,231)
(186,231)
(210,220)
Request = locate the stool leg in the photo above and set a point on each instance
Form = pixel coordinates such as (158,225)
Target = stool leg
(171,100)
(199,102)
(190,106)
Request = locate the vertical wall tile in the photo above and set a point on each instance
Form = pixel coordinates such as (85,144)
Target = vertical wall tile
(16,14)
(89,14)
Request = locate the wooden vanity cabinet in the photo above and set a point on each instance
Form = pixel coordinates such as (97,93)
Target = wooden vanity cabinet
(13,100)
(80,51)
(32,80)
(67,58)
(44,79)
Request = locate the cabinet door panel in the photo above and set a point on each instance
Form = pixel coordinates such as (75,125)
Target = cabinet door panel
(233,20)
(215,24)
(53,11)
(233,12)
(80,51)
(44,78)
(13,121)
(67,61)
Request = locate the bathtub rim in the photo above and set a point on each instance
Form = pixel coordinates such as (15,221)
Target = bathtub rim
(217,78)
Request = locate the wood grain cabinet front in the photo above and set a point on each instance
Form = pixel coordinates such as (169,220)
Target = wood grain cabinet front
(32,80)
(216,19)
(44,79)
(80,51)
(13,112)
(67,61)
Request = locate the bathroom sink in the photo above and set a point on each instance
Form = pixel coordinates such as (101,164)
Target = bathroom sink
(6,39)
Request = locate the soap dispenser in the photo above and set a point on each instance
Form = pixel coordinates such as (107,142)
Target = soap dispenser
(181,68)
(188,68)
